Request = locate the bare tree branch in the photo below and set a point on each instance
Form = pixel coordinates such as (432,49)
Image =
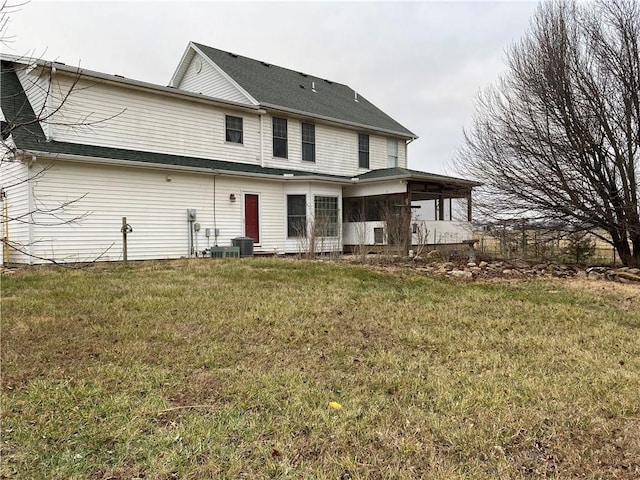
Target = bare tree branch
(557,138)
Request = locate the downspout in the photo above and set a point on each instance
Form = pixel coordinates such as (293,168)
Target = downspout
(261,140)
(406,152)
(5,215)
(215,224)
(30,207)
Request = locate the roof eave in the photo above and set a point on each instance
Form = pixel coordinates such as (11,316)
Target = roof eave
(424,178)
(29,154)
(140,85)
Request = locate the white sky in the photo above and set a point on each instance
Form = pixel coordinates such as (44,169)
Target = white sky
(421,62)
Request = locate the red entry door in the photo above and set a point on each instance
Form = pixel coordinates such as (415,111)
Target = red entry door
(251,221)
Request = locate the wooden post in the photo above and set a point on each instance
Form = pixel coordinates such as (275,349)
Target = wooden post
(469,216)
(124,239)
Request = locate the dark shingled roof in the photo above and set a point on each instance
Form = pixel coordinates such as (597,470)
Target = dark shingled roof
(398,172)
(280,87)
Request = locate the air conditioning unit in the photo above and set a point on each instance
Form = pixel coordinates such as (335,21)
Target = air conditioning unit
(225,252)
(245,244)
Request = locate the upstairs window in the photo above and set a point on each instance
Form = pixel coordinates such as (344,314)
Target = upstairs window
(296,216)
(392,153)
(280,137)
(363,150)
(234,129)
(308,142)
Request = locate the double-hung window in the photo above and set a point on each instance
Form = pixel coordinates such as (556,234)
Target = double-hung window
(280,137)
(308,142)
(296,216)
(363,150)
(326,216)
(233,129)
(392,153)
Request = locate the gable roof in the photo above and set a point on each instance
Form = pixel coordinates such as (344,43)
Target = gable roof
(283,89)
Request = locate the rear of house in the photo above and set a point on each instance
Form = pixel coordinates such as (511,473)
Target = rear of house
(233,148)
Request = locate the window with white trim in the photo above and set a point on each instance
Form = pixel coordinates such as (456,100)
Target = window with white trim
(308,142)
(392,152)
(280,137)
(233,129)
(326,216)
(296,216)
(363,150)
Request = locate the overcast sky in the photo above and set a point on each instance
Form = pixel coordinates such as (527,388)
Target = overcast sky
(420,62)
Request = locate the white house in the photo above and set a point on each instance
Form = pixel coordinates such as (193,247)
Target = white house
(233,147)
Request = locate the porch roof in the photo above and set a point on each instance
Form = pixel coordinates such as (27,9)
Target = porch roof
(423,185)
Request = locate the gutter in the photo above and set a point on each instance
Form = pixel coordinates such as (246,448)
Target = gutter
(451,180)
(163,166)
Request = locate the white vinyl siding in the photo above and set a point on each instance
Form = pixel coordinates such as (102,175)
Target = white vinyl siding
(402,153)
(145,121)
(155,208)
(13,178)
(209,81)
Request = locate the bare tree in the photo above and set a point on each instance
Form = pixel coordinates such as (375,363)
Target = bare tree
(557,137)
(23,128)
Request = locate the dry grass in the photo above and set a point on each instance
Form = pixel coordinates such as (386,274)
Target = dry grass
(224,369)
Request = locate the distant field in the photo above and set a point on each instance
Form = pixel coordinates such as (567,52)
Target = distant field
(225,369)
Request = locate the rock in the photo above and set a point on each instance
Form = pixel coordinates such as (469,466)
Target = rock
(507,271)
(471,264)
(448,265)
(628,276)
(581,274)
(635,271)
(596,269)
(594,275)
(475,269)
(435,254)
(483,264)
(460,273)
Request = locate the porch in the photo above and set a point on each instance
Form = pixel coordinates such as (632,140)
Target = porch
(407,208)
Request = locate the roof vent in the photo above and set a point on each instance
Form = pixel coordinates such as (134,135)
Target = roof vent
(301,86)
(313,87)
(355,96)
(303,74)
(265,64)
(328,81)
(232,55)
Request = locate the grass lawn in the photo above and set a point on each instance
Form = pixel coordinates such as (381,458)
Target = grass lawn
(225,369)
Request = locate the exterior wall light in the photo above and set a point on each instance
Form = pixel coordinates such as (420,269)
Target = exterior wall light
(232,198)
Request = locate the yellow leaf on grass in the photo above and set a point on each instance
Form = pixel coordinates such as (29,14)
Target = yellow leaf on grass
(335,405)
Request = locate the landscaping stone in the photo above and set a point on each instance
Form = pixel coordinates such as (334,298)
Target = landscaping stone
(460,273)
(628,276)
